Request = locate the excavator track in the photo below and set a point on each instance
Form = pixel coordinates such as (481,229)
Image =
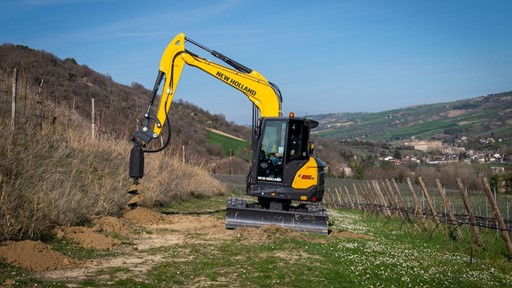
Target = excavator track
(311,218)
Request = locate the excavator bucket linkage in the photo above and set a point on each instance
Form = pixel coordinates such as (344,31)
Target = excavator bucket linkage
(241,216)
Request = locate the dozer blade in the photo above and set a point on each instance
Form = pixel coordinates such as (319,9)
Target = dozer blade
(255,218)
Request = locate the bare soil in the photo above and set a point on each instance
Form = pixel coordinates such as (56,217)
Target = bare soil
(34,256)
(145,229)
(87,237)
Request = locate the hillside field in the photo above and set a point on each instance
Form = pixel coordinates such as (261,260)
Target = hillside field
(474,117)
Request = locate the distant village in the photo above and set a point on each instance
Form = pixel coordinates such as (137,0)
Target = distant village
(449,153)
(435,152)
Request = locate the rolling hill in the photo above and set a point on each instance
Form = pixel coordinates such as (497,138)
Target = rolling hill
(49,81)
(481,117)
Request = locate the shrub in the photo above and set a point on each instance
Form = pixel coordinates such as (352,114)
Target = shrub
(58,176)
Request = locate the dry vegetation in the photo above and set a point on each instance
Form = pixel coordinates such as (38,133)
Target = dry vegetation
(48,80)
(53,174)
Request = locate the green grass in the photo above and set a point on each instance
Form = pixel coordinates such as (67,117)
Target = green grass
(22,278)
(229,145)
(397,256)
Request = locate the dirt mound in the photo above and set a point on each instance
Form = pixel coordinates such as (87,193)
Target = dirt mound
(87,237)
(145,217)
(202,224)
(110,224)
(37,256)
(34,256)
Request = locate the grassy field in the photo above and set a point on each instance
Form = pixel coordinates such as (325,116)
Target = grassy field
(229,145)
(361,251)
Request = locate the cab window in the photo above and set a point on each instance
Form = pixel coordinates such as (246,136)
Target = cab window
(272,151)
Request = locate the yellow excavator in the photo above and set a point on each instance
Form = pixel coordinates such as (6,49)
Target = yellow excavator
(285,178)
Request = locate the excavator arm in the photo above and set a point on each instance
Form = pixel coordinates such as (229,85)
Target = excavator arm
(262,93)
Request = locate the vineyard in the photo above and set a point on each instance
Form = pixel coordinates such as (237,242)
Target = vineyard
(454,209)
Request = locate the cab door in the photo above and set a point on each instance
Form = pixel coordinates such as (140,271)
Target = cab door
(297,151)
(271,150)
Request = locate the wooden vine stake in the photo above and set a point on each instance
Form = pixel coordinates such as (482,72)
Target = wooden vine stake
(332,198)
(336,202)
(385,207)
(402,200)
(371,195)
(327,198)
(453,221)
(474,226)
(429,200)
(370,205)
(396,205)
(340,197)
(497,214)
(358,197)
(348,197)
(418,210)
(93,128)
(388,197)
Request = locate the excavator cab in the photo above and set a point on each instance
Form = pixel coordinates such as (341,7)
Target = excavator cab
(285,177)
(284,167)
(282,141)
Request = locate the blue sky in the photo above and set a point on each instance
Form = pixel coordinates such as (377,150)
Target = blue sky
(326,56)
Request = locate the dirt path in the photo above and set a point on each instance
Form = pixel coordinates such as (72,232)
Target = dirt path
(144,230)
